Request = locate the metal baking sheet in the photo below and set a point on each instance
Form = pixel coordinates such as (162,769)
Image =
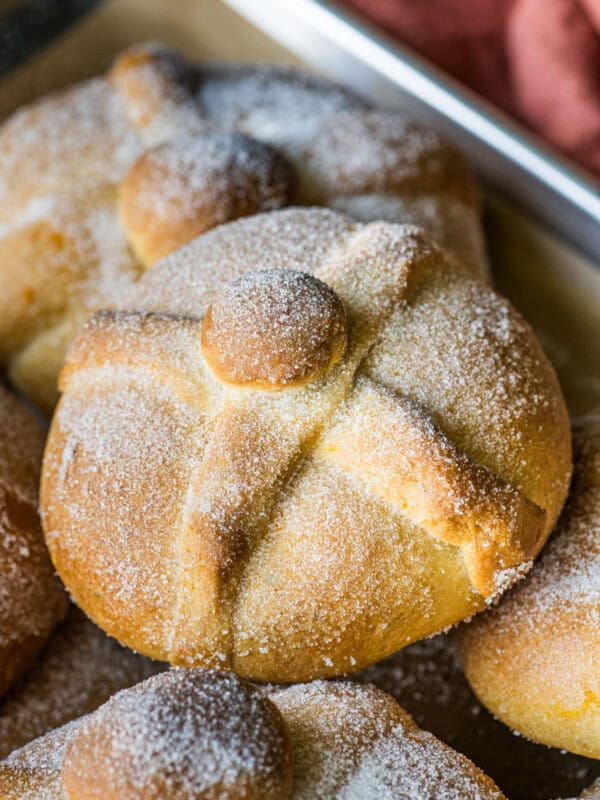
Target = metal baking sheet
(509,158)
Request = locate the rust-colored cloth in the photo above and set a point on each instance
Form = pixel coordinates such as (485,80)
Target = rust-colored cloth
(537,59)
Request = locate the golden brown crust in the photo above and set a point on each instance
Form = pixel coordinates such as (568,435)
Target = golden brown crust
(186,147)
(534,660)
(310,531)
(272,330)
(32,599)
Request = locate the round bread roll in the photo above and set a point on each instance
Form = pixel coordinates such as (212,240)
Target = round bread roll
(534,661)
(32,599)
(79,669)
(182,188)
(202,734)
(397,466)
(99,181)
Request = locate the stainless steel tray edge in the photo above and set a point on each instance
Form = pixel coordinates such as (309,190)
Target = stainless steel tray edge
(510,159)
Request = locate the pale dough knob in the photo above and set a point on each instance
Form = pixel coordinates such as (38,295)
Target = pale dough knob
(182,735)
(274,329)
(178,190)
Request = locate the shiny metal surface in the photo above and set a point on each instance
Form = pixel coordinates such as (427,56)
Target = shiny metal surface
(511,160)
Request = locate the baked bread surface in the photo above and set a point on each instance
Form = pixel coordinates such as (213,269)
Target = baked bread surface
(302,530)
(534,660)
(99,181)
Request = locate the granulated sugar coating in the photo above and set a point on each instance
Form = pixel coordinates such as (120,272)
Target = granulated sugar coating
(184,187)
(33,772)
(99,181)
(427,680)
(308,530)
(185,735)
(355,742)
(188,735)
(534,660)
(274,329)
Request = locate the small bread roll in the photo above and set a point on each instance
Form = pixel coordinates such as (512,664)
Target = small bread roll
(273,330)
(99,181)
(79,669)
(295,471)
(206,735)
(32,599)
(534,660)
(182,188)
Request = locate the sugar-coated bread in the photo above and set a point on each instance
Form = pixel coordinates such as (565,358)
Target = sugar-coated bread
(183,735)
(311,530)
(273,330)
(32,599)
(99,181)
(182,188)
(534,660)
(78,670)
(33,771)
(207,735)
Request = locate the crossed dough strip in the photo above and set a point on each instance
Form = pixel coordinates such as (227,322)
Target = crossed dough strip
(312,529)
(196,734)
(99,181)
(534,661)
